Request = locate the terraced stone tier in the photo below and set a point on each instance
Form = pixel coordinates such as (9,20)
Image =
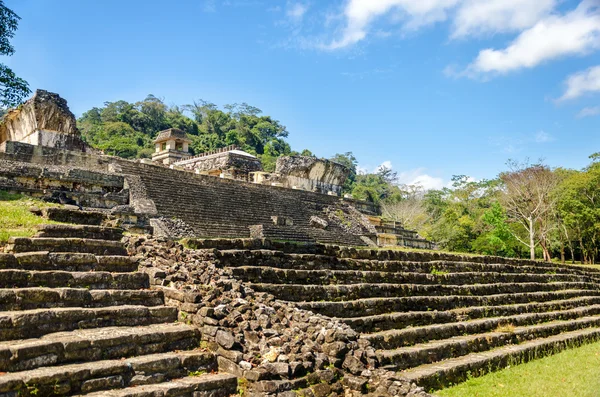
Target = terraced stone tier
(211,385)
(77,317)
(81,245)
(95,376)
(303,293)
(96,344)
(394,321)
(272,275)
(68,261)
(40,298)
(452,371)
(80,231)
(434,321)
(35,323)
(75,216)
(56,279)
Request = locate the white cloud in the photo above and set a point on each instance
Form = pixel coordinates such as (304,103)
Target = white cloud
(589,112)
(582,82)
(419,176)
(359,14)
(543,137)
(386,164)
(296,11)
(575,33)
(495,16)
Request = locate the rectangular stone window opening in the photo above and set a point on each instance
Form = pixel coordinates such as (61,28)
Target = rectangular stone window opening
(164,146)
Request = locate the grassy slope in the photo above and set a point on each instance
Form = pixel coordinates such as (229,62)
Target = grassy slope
(573,373)
(15,218)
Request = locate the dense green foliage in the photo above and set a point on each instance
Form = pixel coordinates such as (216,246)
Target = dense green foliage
(12,88)
(487,217)
(127,129)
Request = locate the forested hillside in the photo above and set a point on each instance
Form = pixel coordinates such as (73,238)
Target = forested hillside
(127,129)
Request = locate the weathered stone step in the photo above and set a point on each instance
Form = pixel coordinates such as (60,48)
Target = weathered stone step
(95,376)
(208,385)
(273,275)
(306,261)
(91,246)
(437,375)
(35,323)
(68,261)
(76,216)
(39,298)
(96,344)
(436,351)
(393,339)
(389,321)
(80,231)
(89,280)
(377,306)
(300,292)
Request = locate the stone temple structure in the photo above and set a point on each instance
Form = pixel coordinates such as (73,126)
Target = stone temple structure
(275,292)
(170,146)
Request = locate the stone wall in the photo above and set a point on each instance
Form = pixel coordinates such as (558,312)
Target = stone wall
(85,187)
(46,155)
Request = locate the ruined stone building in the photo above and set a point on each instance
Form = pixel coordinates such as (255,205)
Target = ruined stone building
(224,193)
(278,290)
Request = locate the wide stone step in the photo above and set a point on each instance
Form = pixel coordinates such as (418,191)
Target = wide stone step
(96,376)
(376,306)
(91,246)
(56,279)
(455,370)
(300,292)
(258,274)
(209,385)
(80,231)
(436,351)
(389,321)
(68,261)
(35,323)
(79,217)
(297,261)
(393,339)
(39,298)
(96,344)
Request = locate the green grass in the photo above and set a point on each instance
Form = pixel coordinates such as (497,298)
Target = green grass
(572,373)
(15,218)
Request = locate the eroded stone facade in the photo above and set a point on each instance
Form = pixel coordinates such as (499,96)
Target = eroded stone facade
(44,120)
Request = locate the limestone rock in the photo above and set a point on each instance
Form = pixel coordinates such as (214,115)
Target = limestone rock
(319,223)
(44,120)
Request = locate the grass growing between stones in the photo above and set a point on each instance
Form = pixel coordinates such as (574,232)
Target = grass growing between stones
(573,373)
(15,218)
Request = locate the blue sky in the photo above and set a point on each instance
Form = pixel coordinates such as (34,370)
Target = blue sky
(433,87)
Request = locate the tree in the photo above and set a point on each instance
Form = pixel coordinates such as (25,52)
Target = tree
(528,199)
(13,89)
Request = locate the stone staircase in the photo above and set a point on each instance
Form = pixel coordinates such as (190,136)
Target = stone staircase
(77,318)
(434,318)
(217,207)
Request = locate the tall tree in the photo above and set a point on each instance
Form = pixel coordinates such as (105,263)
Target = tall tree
(13,89)
(528,199)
